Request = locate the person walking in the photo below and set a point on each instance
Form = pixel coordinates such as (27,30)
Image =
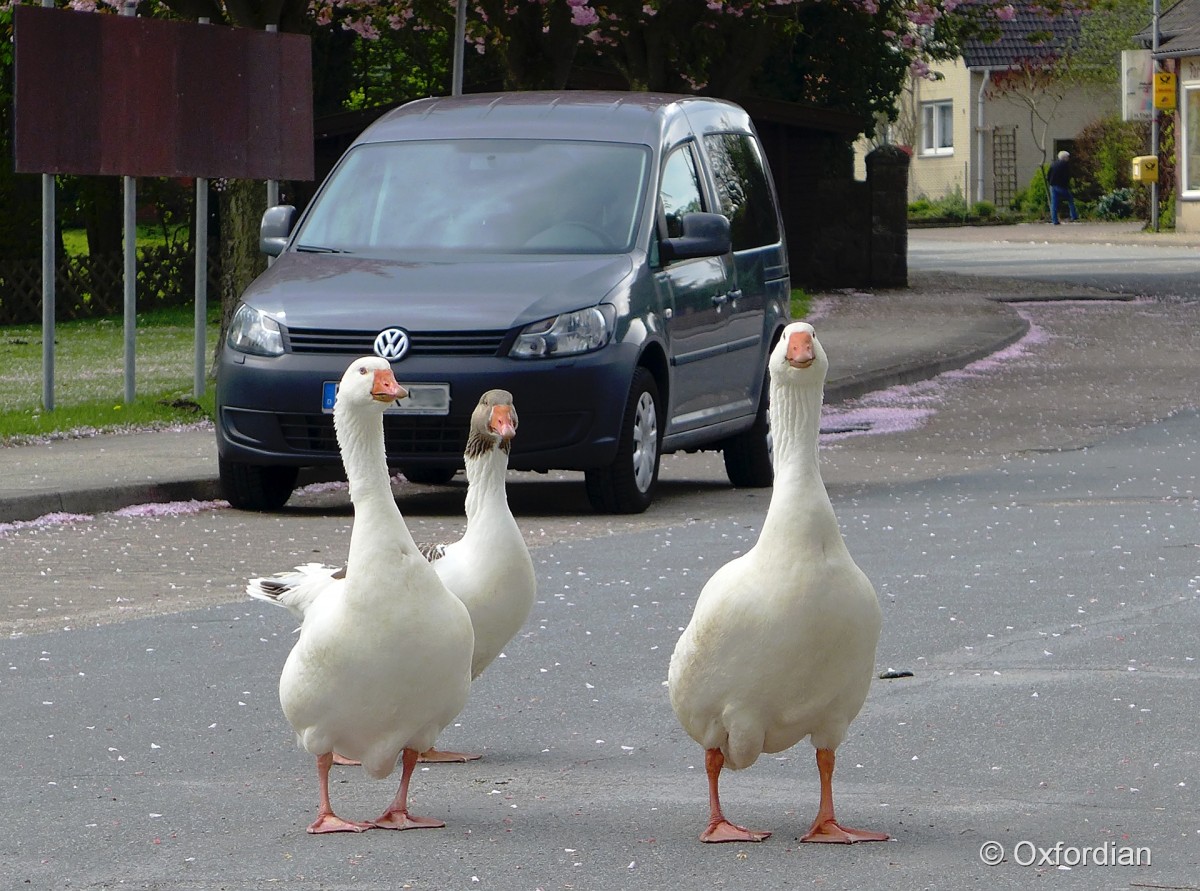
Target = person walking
(1059,180)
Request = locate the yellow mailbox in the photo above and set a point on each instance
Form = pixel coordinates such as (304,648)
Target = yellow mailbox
(1145,169)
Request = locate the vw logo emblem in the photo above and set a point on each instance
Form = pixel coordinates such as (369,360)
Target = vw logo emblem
(391,344)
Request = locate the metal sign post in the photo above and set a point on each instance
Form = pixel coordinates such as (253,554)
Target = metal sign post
(49,265)
(130,272)
(1154,123)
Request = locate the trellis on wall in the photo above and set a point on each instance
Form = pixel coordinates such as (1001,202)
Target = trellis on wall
(1004,165)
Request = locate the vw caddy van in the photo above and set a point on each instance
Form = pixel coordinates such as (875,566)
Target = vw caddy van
(615,260)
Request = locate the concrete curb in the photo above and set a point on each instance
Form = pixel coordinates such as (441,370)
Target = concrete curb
(911,372)
(105,499)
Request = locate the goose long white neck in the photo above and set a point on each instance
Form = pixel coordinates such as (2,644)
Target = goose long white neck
(800,509)
(486,494)
(376,516)
(485,476)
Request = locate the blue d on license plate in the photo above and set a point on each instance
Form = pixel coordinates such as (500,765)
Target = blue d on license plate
(422,399)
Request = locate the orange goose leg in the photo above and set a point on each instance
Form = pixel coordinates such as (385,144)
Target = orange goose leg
(397,815)
(825,828)
(719,829)
(327,820)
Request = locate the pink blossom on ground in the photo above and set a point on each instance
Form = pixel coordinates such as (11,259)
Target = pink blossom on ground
(843,423)
(170,508)
(321,488)
(1035,336)
(906,407)
(56,519)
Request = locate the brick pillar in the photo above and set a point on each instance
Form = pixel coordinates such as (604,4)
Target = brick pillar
(887,182)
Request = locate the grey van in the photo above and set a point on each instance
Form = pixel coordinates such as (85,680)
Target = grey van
(615,260)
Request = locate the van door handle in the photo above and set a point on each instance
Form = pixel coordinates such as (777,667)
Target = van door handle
(735,295)
(720,300)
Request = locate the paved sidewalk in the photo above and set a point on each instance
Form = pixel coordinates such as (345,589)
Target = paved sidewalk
(875,339)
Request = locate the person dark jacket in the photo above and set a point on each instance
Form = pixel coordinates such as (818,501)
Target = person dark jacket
(1059,173)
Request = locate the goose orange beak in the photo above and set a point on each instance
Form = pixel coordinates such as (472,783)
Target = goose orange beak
(800,350)
(503,422)
(385,387)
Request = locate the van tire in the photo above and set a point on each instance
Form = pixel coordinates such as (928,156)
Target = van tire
(748,456)
(627,485)
(258,487)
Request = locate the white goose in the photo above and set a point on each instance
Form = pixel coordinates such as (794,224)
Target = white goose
(782,641)
(380,669)
(489,569)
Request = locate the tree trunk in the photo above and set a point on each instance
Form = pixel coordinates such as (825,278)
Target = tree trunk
(103,205)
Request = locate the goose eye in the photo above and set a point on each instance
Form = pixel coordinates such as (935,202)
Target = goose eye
(362,369)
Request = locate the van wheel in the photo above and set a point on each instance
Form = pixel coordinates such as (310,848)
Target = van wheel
(255,486)
(749,456)
(428,476)
(627,485)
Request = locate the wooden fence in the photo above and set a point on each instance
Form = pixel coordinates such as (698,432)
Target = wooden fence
(91,287)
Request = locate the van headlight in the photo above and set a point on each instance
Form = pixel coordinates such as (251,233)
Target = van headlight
(565,335)
(254,332)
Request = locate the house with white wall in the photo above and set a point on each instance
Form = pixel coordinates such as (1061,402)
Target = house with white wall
(1179,51)
(988,120)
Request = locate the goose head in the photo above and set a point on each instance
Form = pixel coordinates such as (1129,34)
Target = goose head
(368,381)
(798,357)
(493,423)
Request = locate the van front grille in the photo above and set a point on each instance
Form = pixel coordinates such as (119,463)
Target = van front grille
(421,343)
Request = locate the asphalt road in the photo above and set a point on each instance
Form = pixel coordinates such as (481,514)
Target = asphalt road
(1030,524)
(1126,261)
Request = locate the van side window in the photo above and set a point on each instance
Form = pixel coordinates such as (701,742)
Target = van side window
(743,190)
(680,189)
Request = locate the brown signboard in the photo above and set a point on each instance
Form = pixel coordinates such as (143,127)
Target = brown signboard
(127,96)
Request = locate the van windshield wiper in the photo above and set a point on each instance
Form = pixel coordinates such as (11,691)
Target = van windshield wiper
(320,249)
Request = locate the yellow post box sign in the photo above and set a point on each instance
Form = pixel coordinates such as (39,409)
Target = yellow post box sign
(1164,90)
(1145,169)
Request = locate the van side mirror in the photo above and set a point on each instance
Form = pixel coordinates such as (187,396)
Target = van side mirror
(704,235)
(275,229)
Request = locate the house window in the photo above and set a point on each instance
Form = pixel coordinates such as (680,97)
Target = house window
(1191,140)
(937,128)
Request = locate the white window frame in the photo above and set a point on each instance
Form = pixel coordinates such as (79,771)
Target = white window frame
(1189,140)
(937,127)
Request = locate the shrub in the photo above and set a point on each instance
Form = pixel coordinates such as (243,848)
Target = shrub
(1103,154)
(919,207)
(1115,205)
(1166,212)
(951,206)
(1033,202)
(984,210)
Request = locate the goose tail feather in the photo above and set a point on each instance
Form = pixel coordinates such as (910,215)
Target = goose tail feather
(295,590)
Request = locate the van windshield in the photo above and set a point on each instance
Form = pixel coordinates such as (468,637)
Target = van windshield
(481,195)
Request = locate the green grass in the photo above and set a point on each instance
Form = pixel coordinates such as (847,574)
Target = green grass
(89,379)
(801,301)
(75,240)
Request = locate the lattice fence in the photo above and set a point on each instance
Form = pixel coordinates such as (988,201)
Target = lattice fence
(90,287)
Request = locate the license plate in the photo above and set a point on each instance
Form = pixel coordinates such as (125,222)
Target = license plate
(422,399)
